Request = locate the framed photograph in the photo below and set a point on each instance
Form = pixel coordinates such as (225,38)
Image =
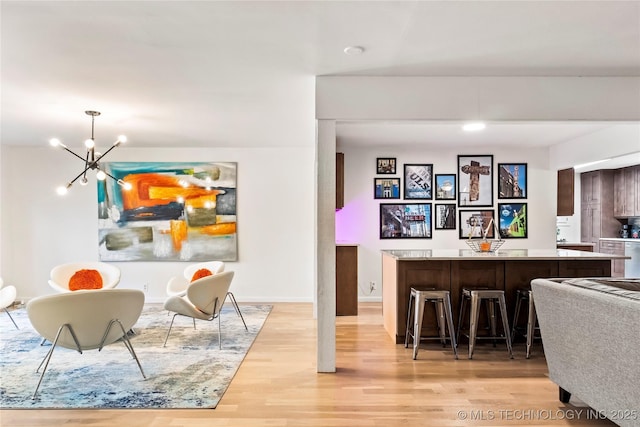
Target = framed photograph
(386,165)
(512,180)
(513,220)
(386,188)
(445,187)
(445,216)
(405,220)
(418,181)
(474,222)
(475,181)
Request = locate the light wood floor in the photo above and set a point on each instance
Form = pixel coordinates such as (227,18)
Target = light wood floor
(377,384)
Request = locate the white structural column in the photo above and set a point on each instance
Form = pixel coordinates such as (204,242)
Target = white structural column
(326,245)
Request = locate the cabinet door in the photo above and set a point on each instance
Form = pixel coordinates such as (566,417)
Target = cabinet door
(590,187)
(619,198)
(565,192)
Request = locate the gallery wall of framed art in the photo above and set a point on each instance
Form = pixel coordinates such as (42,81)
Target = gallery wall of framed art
(464,199)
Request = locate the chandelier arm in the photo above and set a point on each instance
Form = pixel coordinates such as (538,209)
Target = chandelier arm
(108,174)
(105,153)
(80,174)
(77,155)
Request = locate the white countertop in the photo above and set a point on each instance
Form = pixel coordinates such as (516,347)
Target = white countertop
(619,239)
(507,254)
(575,244)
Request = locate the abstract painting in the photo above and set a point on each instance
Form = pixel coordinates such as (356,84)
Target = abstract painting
(174,211)
(405,221)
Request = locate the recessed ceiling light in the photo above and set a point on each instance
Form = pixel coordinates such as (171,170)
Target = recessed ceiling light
(473,127)
(354,50)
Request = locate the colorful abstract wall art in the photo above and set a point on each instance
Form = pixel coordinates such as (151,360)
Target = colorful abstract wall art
(173,212)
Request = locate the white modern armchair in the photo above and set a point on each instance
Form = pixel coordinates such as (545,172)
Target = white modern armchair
(7,297)
(177,285)
(203,300)
(60,275)
(85,320)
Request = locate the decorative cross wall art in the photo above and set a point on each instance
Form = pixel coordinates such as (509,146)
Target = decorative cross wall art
(475,181)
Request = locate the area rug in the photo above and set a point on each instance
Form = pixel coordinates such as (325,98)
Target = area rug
(190,372)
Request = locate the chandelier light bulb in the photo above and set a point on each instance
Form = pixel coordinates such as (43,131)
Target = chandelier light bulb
(61,190)
(84,181)
(128,186)
(100,175)
(122,138)
(54,142)
(89,143)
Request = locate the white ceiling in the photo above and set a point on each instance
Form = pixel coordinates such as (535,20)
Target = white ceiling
(196,73)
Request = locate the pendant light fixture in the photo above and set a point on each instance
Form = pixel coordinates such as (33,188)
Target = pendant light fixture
(91,159)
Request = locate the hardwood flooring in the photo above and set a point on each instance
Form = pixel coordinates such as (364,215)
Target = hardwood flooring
(377,384)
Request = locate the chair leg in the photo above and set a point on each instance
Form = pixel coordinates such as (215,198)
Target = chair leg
(235,305)
(47,357)
(505,324)
(441,321)
(516,315)
(531,324)
(417,324)
(219,333)
(11,317)
(463,306)
(473,322)
(127,344)
(449,315)
(409,321)
(170,326)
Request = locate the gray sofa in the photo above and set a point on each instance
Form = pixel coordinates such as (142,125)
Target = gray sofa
(591,337)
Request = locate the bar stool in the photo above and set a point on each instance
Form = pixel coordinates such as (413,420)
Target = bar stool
(417,299)
(525,295)
(492,297)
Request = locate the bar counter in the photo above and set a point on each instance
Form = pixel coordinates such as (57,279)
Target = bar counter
(453,269)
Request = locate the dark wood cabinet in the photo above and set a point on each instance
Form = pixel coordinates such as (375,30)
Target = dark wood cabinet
(626,187)
(565,193)
(347,280)
(614,248)
(597,219)
(339,181)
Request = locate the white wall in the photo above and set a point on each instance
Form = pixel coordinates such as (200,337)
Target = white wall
(358,221)
(275,202)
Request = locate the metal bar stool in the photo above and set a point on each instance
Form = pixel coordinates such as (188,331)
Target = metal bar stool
(492,297)
(525,295)
(417,299)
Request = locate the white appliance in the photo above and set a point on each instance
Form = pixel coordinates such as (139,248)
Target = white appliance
(632,266)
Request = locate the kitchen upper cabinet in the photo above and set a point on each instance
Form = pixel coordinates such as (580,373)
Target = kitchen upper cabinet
(626,186)
(566,178)
(596,208)
(339,180)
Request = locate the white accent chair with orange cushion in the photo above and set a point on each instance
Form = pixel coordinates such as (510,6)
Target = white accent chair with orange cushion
(61,274)
(203,300)
(7,297)
(178,285)
(85,320)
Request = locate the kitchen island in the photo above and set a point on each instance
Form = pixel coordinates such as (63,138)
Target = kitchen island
(453,269)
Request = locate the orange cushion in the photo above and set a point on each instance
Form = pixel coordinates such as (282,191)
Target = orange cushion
(85,279)
(203,272)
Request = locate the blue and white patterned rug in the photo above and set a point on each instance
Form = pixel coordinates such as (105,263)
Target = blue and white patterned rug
(190,372)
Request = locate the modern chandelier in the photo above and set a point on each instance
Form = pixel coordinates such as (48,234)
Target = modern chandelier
(91,159)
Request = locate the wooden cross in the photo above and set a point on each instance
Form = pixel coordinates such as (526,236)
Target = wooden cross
(475,170)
